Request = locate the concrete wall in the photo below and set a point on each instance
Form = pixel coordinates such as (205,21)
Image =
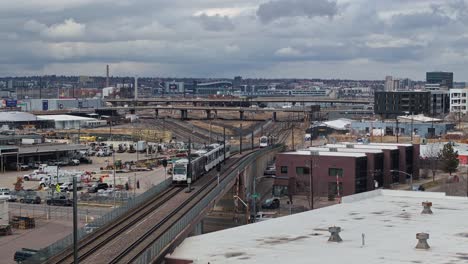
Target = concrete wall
(3,212)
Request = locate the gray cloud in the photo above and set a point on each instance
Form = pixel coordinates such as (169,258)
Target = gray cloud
(216,22)
(276,9)
(367,38)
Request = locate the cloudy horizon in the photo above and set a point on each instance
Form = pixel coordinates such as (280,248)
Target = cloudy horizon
(345,39)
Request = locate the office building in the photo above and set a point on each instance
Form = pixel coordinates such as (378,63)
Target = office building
(458,100)
(445,79)
(392,104)
(389,84)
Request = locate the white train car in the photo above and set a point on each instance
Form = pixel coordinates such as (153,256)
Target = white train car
(202,162)
(264,142)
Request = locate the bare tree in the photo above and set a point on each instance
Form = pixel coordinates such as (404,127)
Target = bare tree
(431,158)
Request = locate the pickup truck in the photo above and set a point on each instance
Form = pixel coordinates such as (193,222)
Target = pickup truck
(35,176)
(61,200)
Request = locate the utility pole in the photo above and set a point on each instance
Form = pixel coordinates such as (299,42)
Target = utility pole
(210,132)
(397,130)
(412,130)
(252,139)
(240,139)
(311,184)
(75,222)
(189,165)
(292,136)
(224,144)
(113,166)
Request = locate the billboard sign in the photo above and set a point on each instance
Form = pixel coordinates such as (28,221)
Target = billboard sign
(11,103)
(45,105)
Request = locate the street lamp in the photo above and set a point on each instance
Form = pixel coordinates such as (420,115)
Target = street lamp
(254,196)
(408,174)
(246,206)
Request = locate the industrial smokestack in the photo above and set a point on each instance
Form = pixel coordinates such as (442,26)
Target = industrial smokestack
(107,75)
(136,88)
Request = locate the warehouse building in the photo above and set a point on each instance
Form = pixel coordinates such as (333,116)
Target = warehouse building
(20,120)
(352,167)
(68,121)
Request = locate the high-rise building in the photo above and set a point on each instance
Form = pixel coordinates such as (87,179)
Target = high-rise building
(392,104)
(389,83)
(237,82)
(445,79)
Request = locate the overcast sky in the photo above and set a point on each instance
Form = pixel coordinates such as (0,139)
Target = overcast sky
(356,39)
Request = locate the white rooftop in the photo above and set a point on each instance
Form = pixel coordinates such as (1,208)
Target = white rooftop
(361,146)
(388,219)
(339,124)
(356,150)
(65,118)
(327,153)
(418,118)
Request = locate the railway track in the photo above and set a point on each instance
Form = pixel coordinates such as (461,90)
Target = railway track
(133,249)
(182,132)
(125,239)
(136,249)
(89,244)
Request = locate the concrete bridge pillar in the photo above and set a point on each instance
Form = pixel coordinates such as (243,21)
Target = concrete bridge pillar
(241,115)
(183,114)
(274,117)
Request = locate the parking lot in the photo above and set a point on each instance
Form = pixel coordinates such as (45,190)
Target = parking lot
(55,222)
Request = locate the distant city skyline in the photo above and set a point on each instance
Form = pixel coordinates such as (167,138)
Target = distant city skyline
(326,39)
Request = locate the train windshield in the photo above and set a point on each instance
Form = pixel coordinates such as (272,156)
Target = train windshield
(180,170)
(263,140)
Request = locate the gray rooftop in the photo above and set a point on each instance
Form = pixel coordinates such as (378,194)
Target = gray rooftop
(17,117)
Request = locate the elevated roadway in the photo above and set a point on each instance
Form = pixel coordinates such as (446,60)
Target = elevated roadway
(289,99)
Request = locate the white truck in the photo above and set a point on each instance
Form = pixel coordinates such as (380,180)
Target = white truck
(42,172)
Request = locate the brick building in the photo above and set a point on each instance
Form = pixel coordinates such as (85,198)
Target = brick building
(359,167)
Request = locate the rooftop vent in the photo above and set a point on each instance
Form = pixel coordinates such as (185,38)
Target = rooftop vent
(349,146)
(333,149)
(422,241)
(334,234)
(427,207)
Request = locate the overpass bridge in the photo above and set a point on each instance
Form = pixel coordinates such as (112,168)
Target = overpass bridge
(147,228)
(210,110)
(235,101)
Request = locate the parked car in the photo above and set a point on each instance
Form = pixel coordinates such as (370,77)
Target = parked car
(30,199)
(98,186)
(23,167)
(61,200)
(6,195)
(271,203)
(270,170)
(104,153)
(24,254)
(74,162)
(86,160)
